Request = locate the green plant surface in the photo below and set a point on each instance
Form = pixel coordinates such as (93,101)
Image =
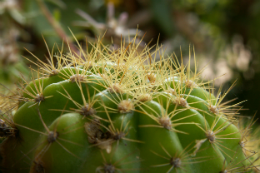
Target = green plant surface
(120,111)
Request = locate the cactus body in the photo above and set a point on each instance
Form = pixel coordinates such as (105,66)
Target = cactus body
(116,114)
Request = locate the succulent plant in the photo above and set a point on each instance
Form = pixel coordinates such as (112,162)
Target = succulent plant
(120,111)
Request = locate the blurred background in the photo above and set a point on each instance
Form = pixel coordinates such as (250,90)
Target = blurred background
(224,33)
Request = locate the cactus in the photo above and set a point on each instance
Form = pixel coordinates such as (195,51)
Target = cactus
(120,111)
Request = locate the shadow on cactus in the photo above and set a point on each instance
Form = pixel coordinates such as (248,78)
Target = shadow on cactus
(121,111)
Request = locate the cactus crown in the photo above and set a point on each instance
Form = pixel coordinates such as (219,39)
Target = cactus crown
(121,111)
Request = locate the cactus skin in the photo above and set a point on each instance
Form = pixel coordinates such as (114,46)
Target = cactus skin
(116,114)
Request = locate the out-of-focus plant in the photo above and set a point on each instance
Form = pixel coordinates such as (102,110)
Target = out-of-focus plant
(57,20)
(11,22)
(113,28)
(231,61)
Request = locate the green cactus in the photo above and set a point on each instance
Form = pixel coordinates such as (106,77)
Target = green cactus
(120,111)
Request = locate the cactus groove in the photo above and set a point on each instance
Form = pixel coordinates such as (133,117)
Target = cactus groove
(121,111)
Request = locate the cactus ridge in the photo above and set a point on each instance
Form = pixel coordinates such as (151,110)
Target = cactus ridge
(112,111)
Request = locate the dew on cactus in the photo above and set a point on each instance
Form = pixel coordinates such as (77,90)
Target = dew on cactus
(121,111)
